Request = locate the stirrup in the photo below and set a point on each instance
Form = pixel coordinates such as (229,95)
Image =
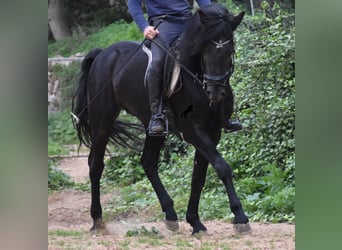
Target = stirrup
(233,126)
(163,120)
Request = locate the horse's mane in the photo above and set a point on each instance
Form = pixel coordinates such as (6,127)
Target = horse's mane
(207,23)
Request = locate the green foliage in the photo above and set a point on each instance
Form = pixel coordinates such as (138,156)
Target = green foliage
(57,179)
(60,133)
(65,233)
(55,148)
(154,233)
(103,38)
(84,14)
(60,129)
(124,169)
(265,95)
(68,78)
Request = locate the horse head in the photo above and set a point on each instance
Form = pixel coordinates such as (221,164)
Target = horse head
(217,62)
(215,45)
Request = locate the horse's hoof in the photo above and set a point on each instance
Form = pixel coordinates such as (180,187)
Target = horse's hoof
(242,228)
(99,227)
(198,228)
(172,225)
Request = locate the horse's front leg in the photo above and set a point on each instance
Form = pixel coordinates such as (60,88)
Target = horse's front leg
(197,184)
(204,144)
(149,161)
(225,174)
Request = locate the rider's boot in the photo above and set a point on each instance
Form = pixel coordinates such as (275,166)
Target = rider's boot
(158,122)
(233,126)
(157,125)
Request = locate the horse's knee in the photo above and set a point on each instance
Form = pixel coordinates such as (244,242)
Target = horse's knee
(149,165)
(223,170)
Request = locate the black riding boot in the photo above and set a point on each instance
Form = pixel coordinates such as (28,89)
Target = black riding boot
(158,123)
(233,126)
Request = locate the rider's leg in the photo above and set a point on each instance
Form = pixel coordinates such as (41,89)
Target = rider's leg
(169,29)
(155,86)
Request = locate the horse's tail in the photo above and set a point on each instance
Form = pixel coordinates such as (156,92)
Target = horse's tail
(79,101)
(123,133)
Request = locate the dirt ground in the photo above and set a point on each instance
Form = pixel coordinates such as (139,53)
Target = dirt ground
(69,223)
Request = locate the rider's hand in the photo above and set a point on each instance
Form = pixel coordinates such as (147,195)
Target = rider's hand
(150,32)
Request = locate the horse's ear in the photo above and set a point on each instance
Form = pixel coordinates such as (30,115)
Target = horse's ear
(237,20)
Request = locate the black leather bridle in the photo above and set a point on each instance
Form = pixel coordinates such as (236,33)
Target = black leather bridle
(218,80)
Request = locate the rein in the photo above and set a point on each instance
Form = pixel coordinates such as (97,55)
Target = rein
(207,77)
(76,117)
(177,61)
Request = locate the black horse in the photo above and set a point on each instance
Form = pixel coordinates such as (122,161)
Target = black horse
(112,79)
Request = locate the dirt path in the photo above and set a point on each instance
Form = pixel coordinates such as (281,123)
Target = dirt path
(69,222)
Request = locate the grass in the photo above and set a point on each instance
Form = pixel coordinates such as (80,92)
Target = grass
(152,238)
(65,233)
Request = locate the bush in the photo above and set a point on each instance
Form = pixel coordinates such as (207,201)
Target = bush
(103,38)
(68,76)
(61,130)
(57,179)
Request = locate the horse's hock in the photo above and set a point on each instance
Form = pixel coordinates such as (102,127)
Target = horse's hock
(54,91)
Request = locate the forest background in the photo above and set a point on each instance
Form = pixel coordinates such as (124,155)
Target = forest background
(262,155)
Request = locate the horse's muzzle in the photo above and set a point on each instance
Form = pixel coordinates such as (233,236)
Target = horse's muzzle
(215,93)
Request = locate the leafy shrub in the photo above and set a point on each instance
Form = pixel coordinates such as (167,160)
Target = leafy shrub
(60,129)
(68,76)
(57,179)
(103,38)
(124,169)
(262,156)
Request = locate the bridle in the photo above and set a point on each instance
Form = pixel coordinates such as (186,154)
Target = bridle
(218,80)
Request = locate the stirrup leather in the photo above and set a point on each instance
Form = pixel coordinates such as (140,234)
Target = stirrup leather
(165,122)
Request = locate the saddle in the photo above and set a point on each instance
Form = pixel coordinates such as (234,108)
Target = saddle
(171,71)
(171,80)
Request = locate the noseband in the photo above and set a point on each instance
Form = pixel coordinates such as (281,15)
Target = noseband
(219,80)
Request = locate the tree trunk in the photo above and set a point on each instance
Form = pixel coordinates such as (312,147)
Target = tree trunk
(50,35)
(57,20)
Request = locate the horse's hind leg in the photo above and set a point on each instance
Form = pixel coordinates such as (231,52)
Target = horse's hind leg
(197,184)
(100,134)
(149,161)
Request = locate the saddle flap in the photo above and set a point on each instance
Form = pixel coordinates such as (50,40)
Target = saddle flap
(171,72)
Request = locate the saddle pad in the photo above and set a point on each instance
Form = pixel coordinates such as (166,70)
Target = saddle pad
(170,85)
